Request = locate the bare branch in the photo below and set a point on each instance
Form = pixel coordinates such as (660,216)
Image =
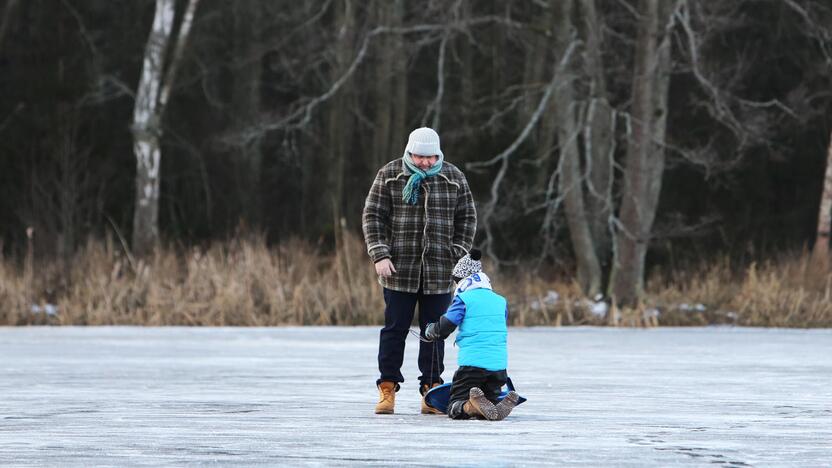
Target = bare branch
(541,106)
(504,156)
(719,97)
(630,9)
(302,116)
(83,30)
(821,33)
(435,105)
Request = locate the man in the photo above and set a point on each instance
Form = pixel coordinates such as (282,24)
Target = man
(419,218)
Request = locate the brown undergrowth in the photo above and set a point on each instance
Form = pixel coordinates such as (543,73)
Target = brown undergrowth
(245,282)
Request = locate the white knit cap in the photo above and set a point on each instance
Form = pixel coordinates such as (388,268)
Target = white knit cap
(468,265)
(424,141)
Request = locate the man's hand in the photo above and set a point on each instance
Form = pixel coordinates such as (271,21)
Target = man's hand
(385,268)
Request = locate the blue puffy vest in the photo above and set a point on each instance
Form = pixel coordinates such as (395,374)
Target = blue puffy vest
(482,335)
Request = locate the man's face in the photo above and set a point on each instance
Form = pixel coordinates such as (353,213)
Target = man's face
(424,162)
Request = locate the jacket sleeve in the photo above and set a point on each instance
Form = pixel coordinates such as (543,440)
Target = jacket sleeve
(456,311)
(448,322)
(440,330)
(465,220)
(376,218)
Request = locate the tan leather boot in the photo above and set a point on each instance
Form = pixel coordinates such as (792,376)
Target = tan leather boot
(479,407)
(425,408)
(386,398)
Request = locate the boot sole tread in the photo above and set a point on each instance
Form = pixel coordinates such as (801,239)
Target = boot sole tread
(482,405)
(504,407)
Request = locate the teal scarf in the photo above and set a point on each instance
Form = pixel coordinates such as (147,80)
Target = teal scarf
(410,194)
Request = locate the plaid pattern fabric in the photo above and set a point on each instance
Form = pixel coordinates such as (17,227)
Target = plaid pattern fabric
(424,240)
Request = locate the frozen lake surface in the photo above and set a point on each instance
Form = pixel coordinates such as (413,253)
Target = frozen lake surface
(121,396)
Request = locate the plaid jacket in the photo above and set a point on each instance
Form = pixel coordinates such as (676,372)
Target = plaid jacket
(425,240)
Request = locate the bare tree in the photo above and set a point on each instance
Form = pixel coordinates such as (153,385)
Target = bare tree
(286,90)
(581,120)
(544,46)
(645,149)
(245,103)
(340,115)
(566,110)
(820,251)
(158,73)
(599,140)
(391,85)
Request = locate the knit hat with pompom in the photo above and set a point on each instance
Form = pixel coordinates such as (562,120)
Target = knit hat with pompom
(468,265)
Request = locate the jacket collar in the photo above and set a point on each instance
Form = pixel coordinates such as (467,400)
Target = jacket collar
(476,281)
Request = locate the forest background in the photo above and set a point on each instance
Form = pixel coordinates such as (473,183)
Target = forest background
(203,162)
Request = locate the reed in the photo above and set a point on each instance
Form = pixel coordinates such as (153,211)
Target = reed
(245,282)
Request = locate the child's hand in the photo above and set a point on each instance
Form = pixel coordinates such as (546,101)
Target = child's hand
(432,331)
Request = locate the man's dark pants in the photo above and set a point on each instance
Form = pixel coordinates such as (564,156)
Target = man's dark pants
(468,377)
(398,314)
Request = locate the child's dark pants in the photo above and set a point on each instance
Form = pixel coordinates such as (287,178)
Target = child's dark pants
(398,314)
(468,377)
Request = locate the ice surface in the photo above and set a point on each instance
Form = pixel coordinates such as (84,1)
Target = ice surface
(304,396)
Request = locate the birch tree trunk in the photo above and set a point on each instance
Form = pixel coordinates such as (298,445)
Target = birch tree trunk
(571,180)
(645,152)
(147,130)
(820,251)
(151,97)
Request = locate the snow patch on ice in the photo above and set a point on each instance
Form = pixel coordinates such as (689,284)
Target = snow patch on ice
(48,309)
(599,309)
(550,299)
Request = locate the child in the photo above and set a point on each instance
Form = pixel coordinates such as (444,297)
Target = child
(481,315)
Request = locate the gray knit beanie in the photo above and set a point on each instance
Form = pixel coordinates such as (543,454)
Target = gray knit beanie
(423,141)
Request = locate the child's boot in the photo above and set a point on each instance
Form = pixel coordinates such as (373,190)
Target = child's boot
(386,398)
(504,407)
(478,406)
(425,408)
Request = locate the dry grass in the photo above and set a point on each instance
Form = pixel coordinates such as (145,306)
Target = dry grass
(793,291)
(246,283)
(241,283)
